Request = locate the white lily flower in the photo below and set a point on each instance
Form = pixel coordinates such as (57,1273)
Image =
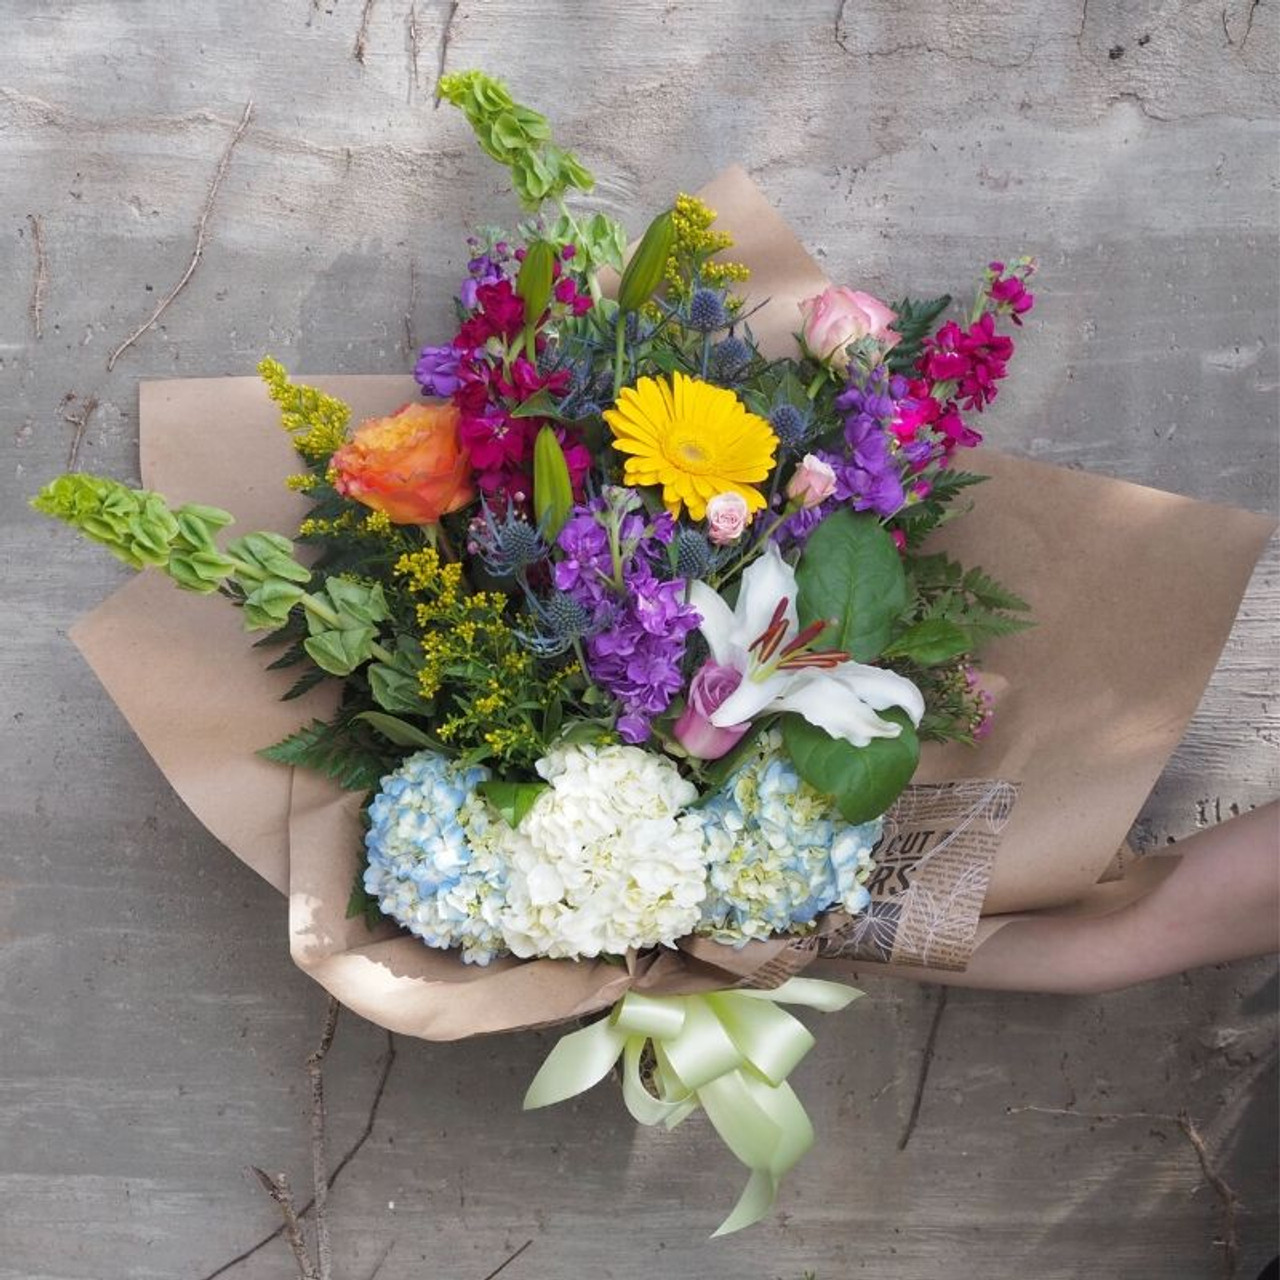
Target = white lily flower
(781,671)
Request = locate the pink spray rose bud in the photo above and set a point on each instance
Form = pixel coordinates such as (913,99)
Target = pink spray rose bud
(710,686)
(727,517)
(812,482)
(838,316)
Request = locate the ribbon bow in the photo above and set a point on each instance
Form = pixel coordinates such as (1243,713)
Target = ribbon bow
(729,1052)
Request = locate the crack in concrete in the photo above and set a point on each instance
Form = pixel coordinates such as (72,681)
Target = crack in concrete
(414,36)
(80,421)
(197,251)
(352,1151)
(362,35)
(443,55)
(926,1063)
(949,55)
(502,1266)
(1227,1197)
(35,308)
(1248,25)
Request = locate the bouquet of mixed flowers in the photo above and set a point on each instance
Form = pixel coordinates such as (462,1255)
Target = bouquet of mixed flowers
(636,632)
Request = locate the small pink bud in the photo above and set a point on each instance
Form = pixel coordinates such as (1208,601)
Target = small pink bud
(812,482)
(727,516)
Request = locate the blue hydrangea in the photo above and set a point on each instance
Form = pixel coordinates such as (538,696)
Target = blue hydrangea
(781,853)
(435,861)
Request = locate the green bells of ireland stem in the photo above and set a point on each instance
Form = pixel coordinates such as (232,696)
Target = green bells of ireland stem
(729,1052)
(139,527)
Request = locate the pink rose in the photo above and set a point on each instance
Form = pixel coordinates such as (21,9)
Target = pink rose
(727,516)
(836,317)
(710,686)
(812,482)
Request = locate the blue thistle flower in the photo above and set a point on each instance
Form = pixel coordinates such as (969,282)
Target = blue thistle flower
(790,425)
(730,359)
(706,311)
(561,619)
(507,545)
(695,556)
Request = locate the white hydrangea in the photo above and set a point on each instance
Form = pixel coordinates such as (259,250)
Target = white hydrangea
(606,859)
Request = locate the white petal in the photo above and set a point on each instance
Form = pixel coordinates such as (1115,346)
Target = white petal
(764,583)
(718,623)
(879,688)
(748,700)
(831,705)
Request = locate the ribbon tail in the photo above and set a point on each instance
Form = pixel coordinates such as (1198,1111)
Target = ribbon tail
(815,993)
(753,1204)
(580,1060)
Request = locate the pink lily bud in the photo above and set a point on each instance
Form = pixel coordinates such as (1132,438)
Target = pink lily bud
(710,686)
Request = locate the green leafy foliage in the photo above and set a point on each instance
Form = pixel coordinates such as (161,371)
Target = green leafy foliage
(342,750)
(969,598)
(852,575)
(918,520)
(863,781)
(511,799)
(515,136)
(915,322)
(343,634)
(397,731)
(928,643)
(360,903)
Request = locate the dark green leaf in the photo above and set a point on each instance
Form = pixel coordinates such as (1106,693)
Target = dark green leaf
(915,322)
(330,749)
(930,642)
(539,405)
(851,574)
(398,731)
(863,781)
(304,684)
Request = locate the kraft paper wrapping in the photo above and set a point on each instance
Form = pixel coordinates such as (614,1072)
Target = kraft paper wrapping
(1134,593)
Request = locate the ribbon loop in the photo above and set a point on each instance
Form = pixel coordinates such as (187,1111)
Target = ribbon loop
(729,1052)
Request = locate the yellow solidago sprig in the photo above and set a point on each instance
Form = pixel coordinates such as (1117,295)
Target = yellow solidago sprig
(493,700)
(692,261)
(316,421)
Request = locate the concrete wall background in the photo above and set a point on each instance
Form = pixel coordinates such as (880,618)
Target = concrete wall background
(154,1030)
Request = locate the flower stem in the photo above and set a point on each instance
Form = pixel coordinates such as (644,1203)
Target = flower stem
(620,353)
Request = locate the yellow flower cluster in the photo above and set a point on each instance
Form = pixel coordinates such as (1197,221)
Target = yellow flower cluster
(695,245)
(303,482)
(498,697)
(317,422)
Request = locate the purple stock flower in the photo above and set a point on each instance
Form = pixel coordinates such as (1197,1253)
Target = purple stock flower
(437,371)
(638,634)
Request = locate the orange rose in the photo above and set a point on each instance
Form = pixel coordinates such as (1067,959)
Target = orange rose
(411,466)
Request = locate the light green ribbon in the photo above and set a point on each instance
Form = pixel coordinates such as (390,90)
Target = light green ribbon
(729,1052)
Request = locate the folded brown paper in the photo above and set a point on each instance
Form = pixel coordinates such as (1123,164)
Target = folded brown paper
(1134,593)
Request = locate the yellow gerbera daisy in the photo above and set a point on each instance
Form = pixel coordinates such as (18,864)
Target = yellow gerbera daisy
(693,439)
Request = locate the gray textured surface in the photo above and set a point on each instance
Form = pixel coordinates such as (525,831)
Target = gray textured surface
(154,1029)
